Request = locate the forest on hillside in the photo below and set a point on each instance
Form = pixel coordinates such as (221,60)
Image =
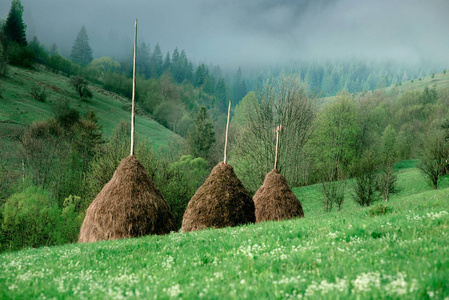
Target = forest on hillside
(64,161)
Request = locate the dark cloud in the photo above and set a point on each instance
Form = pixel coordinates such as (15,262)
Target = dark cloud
(250,32)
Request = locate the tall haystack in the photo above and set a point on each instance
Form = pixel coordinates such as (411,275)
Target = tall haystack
(129,205)
(221,201)
(275,200)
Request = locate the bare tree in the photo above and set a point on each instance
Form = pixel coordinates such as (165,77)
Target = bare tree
(288,103)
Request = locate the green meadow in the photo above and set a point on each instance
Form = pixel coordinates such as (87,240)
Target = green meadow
(19,107)
(391,250)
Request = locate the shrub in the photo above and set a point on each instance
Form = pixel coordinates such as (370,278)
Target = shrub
(64,114)
(38,93)
(3,62)
(387,181)
(81,87)
(433,157)
(31,219)
(72,218)
(334,193)
(364,187)
(21,56)
(378,210)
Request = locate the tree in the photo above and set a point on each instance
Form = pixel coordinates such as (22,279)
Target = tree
(156,62)
(81,86)
(433,157)
(3,62)
(335,140)
(15,28)
(284,102)
(81,51)
(202,136)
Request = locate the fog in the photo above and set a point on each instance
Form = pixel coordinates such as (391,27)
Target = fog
(249,33)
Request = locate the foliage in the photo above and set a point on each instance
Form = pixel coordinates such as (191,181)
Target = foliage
(378,210)
(81,86)
(387,180)
(40,53)
(56,63)
(335,140)
(364,188)
(285,103)
(31,219)
(3,62)
(81,50)
(180,182)
(21,56)
(269,260)
(202,136)
(434,157)
(64,114)
(38,93)
(15,28)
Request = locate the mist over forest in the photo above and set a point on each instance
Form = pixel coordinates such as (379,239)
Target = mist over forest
(250,34)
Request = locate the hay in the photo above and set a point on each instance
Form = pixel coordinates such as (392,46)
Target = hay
(129,205)
(221,201)
(275,200)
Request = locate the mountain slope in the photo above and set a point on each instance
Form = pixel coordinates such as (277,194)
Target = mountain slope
(18,106)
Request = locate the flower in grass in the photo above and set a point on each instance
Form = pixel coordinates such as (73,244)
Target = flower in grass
(173,291)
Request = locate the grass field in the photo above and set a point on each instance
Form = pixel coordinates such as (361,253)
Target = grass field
(18,106)
(392,250)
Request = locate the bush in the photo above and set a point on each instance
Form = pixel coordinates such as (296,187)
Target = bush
(64,114)
(378,210)
(81,87)
(433,157)
(38,93)
(334,193)
(21,56)
(72,218)
(364,187)
(3,62)
(31,219)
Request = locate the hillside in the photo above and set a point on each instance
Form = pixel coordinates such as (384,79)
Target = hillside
(18,106)
(391,250)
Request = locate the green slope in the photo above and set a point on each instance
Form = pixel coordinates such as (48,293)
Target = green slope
(18,106)
(347,255)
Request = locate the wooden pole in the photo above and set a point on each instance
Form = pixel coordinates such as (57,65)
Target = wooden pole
(227,130)
(277,147)
(134,91)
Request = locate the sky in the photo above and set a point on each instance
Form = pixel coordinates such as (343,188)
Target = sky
(248,32)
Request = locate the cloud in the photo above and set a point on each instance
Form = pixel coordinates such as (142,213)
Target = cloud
(250,33)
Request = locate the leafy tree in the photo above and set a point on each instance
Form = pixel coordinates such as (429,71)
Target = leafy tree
(335,140)
(81,50)
(15,28)
(81,86)
(202,136)
(433,157)
(364,188)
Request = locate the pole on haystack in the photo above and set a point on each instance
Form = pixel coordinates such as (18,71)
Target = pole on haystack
(277,148)
(227,130)
(134,91)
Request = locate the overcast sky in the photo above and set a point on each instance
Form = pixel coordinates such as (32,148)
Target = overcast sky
(249,32)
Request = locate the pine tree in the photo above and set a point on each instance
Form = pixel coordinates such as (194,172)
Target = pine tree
(201,136)
(156,62)
(167,62)
(15,28)
(81,51)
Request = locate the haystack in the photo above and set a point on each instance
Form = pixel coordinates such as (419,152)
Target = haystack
(129,205)
(220,202)
(275,200)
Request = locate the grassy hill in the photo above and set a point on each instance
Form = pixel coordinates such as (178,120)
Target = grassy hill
(18,107)
(391,250)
